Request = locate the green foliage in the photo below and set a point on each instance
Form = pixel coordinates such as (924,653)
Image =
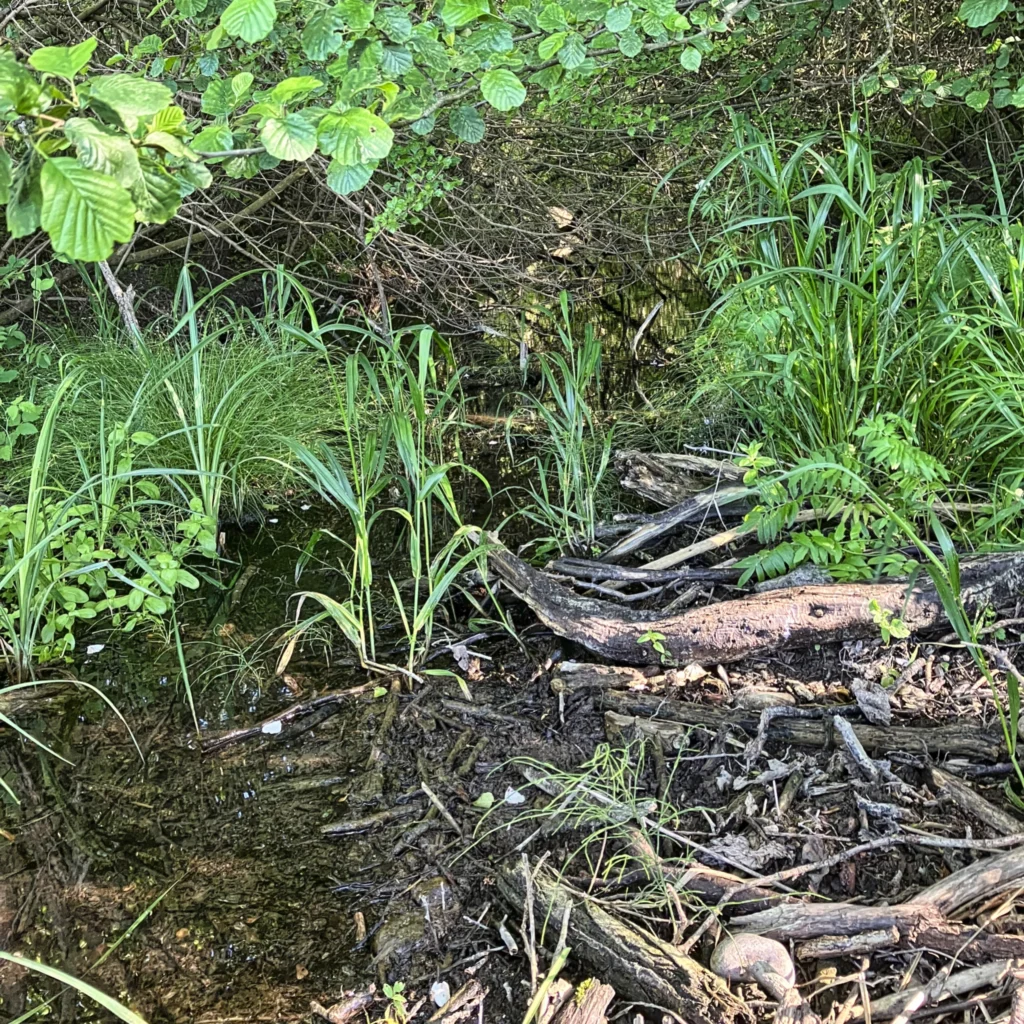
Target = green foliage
(574,452)
(73,556)
(396,413)
(869,490)
(111,1005)
(91,152)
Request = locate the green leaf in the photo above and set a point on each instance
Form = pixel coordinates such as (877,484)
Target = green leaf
(63,61)
(395,23)
(467,124)
(250,20)
(977,100)
(292,89)
(978,13)
(355,137)
(219,98)
(502,89)
(357,14)
(6,176)
(128,97)
(190,8)
(573,52)
(690,58)
(213,139)
(109,1004)
(552,18)
(548,78)
(84,212)
(26,199)
(457,13)
(424,125)
(147,46)
(103,149)
(395,60)
(618,19)
(321,36)
(548,47)
(485,801)
(493,36)
(19,91)
(630,43)
(169,144)
(291,137)
(170,119)
(193,176)
(344,179)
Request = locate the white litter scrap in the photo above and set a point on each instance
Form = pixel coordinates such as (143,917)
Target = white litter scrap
(271,728)
(440,993)
(506,937)
(513,797)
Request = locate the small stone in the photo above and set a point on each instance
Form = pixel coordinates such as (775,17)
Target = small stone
(735,954)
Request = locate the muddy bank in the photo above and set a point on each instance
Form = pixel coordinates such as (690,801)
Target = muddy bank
(288,870)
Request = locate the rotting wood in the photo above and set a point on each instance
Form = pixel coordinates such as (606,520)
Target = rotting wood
(710,884)
(756,624)
(638,966)
(957,984)
(983,878)
(694,509)
(593,997)
(273,726)
(667,479)
(804,921)
(354,826)
(627,715)
(974,804)
(831,947)
(601,572)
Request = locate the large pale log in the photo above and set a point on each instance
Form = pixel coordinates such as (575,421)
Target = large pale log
(759,623)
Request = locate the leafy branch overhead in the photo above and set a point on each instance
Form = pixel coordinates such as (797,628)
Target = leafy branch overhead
(90,150)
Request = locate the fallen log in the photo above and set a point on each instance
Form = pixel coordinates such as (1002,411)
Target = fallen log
(974,804)
(755,624)
(694,509)
(639,967)
(667,479)
(589,1004)
(626,717)
(602,572)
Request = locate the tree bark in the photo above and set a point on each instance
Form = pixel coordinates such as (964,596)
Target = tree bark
(638,966)
(628,717)
(667,479)
(757,624)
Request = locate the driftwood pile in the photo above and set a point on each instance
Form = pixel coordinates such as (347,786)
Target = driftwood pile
(907,951)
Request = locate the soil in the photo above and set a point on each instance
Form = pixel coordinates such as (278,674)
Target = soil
(226,900)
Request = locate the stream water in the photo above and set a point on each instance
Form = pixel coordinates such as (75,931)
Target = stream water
(201,888)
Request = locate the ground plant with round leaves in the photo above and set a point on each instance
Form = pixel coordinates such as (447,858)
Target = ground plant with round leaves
(91,150)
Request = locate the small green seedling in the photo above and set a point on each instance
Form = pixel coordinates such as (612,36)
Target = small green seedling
(396,1012)
(657,642)
(892,626)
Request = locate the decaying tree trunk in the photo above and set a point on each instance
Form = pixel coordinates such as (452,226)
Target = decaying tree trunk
(667,479)
(589,1004)
(627,716)
(638,966)
(756,624)
(695,509)
(924,921)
